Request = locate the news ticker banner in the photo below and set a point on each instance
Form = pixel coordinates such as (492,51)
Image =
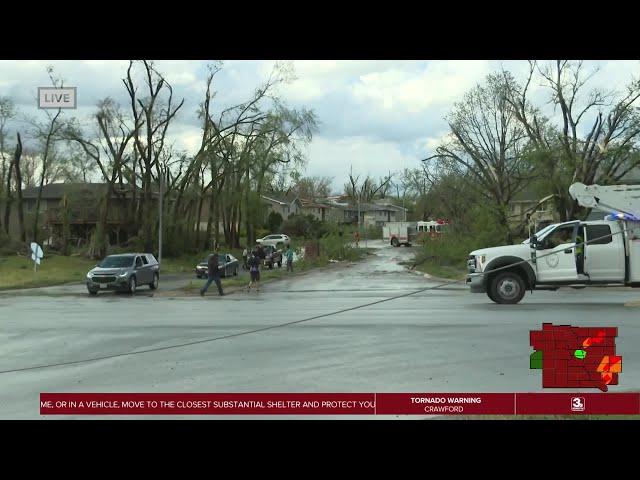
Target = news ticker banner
(340,403)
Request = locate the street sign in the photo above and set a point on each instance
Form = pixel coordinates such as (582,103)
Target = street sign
(36,255)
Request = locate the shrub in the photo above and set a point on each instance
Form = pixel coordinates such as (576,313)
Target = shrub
(10,246)
(274,221)
(306,226)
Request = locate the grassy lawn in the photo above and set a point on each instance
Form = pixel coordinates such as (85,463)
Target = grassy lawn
(17,272)
(442,271)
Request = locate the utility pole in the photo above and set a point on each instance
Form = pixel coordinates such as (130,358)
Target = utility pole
(160,218)
(358,214)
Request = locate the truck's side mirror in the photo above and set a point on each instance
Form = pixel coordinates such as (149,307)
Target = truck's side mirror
(533,241)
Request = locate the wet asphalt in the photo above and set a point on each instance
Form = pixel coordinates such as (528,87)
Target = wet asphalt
(437,340)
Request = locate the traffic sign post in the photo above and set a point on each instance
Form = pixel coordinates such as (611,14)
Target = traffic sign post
(36,255)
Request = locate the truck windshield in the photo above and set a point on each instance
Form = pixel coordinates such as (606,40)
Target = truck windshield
(116,262)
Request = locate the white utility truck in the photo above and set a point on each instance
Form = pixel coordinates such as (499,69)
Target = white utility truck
(575,254)
(399,233)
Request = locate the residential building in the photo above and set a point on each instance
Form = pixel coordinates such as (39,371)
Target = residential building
(285,205)
(315,209)
(83,210)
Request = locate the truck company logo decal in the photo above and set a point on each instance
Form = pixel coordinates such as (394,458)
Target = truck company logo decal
(552,260)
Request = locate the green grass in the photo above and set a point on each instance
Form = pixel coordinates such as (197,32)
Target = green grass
(442,271)
(17,272)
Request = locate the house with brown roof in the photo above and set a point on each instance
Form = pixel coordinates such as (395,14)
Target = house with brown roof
(83,211)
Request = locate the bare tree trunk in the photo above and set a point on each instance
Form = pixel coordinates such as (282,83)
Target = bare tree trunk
(16,164)
(210,219)
(216,220)
(7,207)
(198,217)
(45,159)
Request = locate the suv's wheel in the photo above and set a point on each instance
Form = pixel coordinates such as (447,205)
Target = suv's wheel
(153,285)
(235,271)
(394,242)
(507,287)
(132,285)
(271,266)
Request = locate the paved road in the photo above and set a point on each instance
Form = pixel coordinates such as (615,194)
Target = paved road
(443,340)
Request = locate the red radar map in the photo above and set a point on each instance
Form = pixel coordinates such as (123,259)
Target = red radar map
(576,357)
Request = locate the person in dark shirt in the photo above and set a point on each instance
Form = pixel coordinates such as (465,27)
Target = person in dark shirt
(213,274)
(254,270)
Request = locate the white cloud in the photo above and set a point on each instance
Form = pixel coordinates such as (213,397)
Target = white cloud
(335,158)
(436,84)
(376,115)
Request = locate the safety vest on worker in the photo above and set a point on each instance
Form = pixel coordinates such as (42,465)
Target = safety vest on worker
(579,244)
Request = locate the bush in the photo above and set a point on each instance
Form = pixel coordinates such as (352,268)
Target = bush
(306,226)
(10,246)
(374,232)
(453,247)
(274,221)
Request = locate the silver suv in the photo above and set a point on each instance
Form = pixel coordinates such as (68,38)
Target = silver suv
(124,272)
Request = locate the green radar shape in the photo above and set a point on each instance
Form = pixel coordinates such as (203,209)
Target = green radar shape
(580,354)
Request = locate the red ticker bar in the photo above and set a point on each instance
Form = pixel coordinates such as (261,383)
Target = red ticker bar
(445,403)
(578,403)
(340,404)
(207,403)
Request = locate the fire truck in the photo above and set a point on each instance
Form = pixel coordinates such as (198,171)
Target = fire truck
(405,233)
(431,229)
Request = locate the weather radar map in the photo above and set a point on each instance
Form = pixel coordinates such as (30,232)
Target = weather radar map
(576,357)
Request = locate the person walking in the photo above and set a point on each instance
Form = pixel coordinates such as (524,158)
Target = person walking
(289,255)
(356,237)
(254,270)
(213,275)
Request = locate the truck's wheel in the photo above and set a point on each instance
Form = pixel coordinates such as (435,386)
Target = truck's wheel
(490,295)
(394,242)
(507,288)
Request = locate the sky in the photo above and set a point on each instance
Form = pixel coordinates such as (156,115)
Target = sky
(374,116)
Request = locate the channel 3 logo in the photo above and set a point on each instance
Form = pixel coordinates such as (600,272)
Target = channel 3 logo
(577,404)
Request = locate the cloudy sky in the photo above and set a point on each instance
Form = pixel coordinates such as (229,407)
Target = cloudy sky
(374,115)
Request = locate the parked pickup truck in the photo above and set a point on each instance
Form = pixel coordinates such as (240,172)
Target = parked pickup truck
(575,253)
